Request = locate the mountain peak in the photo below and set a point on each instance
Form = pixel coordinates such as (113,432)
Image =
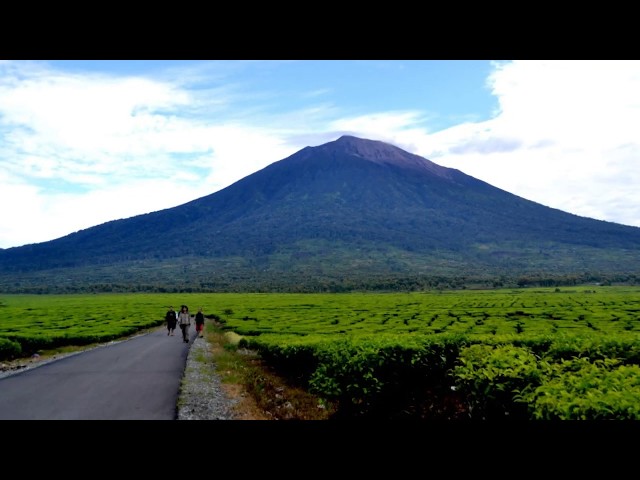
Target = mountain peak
(373,150)
(384,154)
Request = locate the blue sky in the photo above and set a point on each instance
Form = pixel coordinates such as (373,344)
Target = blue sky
(86,142)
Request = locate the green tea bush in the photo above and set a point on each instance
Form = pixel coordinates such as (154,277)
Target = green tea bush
(490,376)
(381,376)
(9,349)
(579,389)
(598,347)
(30,344)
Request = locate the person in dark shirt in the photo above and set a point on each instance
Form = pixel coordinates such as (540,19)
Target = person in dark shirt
(171,319)
(199,322)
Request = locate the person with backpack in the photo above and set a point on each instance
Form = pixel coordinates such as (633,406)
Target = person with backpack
(171,319)
(199,322)
(184,320)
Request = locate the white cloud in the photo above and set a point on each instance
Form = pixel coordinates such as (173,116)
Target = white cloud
(61,126)
(573,129)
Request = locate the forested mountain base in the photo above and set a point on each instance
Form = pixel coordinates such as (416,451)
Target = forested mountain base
(196,277)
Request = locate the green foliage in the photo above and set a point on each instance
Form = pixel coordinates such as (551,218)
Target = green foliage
(209,275)
(490,376)
(625,348)
(582,390)
(542,313)
(9,349)
(382,376)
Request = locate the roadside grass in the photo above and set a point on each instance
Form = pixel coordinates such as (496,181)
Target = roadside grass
(262,394)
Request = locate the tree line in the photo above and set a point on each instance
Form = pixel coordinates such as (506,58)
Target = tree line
(308,283)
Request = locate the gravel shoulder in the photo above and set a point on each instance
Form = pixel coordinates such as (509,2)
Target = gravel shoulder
(201,394)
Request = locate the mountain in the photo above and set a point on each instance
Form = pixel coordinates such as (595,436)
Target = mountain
(347,211)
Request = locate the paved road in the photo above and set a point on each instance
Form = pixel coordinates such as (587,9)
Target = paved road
(136,379)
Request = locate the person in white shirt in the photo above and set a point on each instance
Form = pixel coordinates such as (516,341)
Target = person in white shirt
(184,320)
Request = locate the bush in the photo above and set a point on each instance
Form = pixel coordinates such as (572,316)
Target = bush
(491,377)
(9,349)
(584,390)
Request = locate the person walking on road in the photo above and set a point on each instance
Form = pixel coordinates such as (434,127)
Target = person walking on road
(171,318)
(184,320)
(199,322)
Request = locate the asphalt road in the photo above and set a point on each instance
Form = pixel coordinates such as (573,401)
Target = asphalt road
(135,379)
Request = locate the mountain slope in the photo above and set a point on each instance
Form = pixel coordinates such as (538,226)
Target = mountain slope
(348,207)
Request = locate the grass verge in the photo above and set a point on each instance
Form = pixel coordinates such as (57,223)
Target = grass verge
(262,394)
